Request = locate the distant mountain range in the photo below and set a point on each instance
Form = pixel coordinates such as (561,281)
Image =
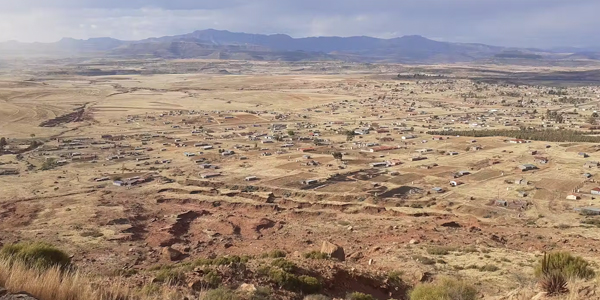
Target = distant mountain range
(229,45)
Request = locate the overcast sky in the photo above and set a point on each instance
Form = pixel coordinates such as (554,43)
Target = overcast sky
(525,23)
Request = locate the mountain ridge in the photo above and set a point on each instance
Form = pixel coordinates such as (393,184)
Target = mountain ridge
(210,43)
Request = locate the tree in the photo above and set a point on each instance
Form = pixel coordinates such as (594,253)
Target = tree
(337,155)
(349,135)
(291,132)
(592,120)
(3,143)
(49,164)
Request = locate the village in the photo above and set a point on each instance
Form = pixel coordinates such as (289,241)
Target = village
(169,161)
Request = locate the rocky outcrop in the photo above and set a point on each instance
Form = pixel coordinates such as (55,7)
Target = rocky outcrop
(333,250)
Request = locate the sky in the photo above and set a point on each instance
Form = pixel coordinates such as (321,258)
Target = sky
(519,23)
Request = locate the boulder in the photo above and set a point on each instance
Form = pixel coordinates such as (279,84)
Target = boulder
(171,254)
(333,251)
(19,296)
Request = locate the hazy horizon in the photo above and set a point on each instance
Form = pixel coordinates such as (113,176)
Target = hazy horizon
(512,23)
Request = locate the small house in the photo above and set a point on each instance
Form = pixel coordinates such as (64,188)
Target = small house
(501,203)
(521,181)
(572,197)
(588,211)
(393,162)
(423,151)
(379,164)
(522,194)
(595,191)
(251,178)
(210,175)
(309,181)
(527,167)
(455,183)
(438,190)
(583,154)
(591,164)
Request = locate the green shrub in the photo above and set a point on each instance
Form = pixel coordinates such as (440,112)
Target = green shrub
(228,260)
(489,268)
(438,250)
(263,270)
(212,279)
(315,255)
(444,289)
(261,293)
(277,254)
(283,264)
(284,279)
(309,284)
(203,262)
(170,276)
(220,294)
(395,278)
(566,264)
(359,296)
(316,297)
(36,255)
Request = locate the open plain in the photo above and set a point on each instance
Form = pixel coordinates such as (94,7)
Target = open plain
(411,172)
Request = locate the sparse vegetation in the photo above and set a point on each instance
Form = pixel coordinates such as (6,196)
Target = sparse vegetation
(170,276)
(439,250)
(316,255)
(359,296)
(221,294)
(444,289)
(36,255)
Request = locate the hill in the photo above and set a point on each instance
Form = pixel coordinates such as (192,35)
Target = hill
(222,44)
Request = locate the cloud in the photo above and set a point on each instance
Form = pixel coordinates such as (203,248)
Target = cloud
(530,23)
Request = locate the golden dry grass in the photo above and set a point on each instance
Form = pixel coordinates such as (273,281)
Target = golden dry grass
(54,284)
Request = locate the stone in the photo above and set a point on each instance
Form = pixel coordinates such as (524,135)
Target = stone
(452,224)
(171,254)
(19,296)
(356,256)
(247,288)
(413,242)
(333,251)
(422,276)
